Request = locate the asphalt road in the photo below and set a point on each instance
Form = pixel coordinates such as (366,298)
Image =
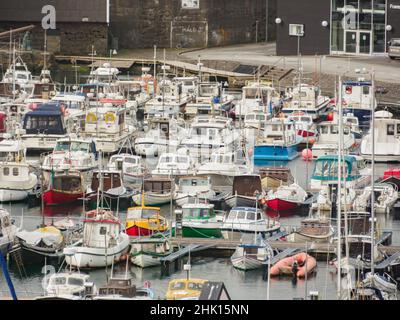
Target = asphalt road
(386,70)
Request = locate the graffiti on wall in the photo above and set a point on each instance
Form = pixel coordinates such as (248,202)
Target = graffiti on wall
(190,4)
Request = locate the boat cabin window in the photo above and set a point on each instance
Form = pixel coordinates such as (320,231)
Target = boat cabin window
(305,119)
(58,281)
(177,286)
(275,127)
(232,215)
(351,120)
(324,129)
(390,129)
(103,231)
(241,215)
(43,124)
(366,89)
(181,159)
(398,129)
(6,171)
(196,213)
(15,172)
(67,184)
(72,146)
(75,282)
(166,159)
(334,129)
(131,160)
(194,286)
(251,216)
(328,169)
(259,216)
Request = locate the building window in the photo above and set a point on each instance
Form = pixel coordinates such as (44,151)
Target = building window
(379,23)
(296,30)
(337,39)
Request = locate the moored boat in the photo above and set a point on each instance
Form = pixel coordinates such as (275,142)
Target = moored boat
(297,265)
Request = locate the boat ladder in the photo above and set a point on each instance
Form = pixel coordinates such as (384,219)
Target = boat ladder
(16,254)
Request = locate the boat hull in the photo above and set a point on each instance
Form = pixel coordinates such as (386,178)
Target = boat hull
(237,235)
(144,260)
(363,115)
(281,205)
(86,257)
(240,201)
(245,263)
(9,195)
(53,197)
(277,153)
(152,199)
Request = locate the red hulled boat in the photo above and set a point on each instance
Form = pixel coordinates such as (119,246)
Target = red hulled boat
(66,188)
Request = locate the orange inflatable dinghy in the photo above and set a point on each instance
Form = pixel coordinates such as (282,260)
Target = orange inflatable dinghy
(297,265)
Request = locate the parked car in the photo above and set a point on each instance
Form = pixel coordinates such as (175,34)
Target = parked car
(394,48)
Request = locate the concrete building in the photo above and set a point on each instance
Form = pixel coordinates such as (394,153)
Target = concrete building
(356,27)
(190,23)
(79,24)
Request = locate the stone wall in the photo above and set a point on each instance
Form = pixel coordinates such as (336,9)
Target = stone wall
(69,38)
(166,23)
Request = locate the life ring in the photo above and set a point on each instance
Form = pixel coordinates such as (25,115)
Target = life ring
(91,117)
(109,117)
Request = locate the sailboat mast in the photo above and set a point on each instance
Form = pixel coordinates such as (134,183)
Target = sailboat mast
(339,213)
(373,172)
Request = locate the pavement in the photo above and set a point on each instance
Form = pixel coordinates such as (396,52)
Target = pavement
(386,70)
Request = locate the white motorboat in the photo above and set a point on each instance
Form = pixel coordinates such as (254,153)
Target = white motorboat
(130,166)
(174,164)
(169,100)
(328,139)
(209,134)
(103,243)
(325,173)
(69,285)
(44,125)
(16,176)
(387,139)
(71,154)
(193,188)
(162,135)
(147,252)
(209,99)
(247,221)
(305,127)
(8,231)
(386,195)
(107,126)
(222,168)
(256,97)
(308,99)
(251,256)
(286,197)
(157,191)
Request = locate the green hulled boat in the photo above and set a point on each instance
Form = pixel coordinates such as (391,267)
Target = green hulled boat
(199,220)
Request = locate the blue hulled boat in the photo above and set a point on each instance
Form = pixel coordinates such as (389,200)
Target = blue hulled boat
(357,97)
(279,142)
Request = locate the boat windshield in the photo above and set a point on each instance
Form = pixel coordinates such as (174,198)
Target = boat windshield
(196,213)
(72,146)
(141,213)
(328,169)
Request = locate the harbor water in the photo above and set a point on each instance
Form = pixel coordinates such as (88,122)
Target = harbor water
(240,285)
